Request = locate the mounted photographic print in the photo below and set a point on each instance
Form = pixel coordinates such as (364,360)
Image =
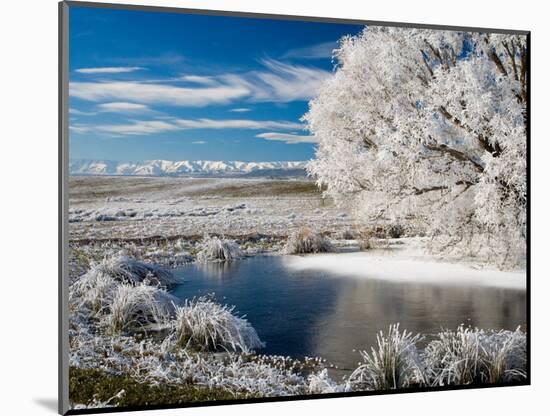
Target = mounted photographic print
(263,208)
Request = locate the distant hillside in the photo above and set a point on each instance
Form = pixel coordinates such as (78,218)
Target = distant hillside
(186,168)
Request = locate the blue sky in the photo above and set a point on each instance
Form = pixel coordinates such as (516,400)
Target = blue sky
(150,85)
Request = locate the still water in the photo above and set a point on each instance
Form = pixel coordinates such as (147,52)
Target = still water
(317,313)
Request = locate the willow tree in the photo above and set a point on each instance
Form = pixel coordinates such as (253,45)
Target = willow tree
(429,127)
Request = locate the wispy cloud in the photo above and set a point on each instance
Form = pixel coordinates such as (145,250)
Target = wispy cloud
(277,82)
(144,127)
(79,128)
(198,142)
(280,82)
(167,58)
(156,94)
(137,128)
(318,51)
(109,70)
(197,79)
(206,123)
(122,107)
(239,110)
(81,113)
(287,138)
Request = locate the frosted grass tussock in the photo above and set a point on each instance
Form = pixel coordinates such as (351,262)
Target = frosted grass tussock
(201,324)
(139,308)
(150,361)
(92,291)
(321,383)
(304,241)
(127,270)
(95,289)
(476,356)
(218,249)
(394,364)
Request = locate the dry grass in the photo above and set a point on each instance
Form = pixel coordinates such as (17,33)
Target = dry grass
(475,356)
(462,357)
(393,364)
(127,270)
(218,249)
(96,289)
(204,325)
(304,241)
(139,308)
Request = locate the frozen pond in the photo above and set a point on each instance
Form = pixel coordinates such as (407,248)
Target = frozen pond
(301,309)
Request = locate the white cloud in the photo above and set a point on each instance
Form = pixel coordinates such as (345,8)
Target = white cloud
(278,82)
(122,107)
(320,50)
(206,123)
(240,110)
(109,70)
(81,113)
(287,138)
(137,128)
(157,94)
(143,127)
(169,58)
(199,142)
(79,128)
(198,79)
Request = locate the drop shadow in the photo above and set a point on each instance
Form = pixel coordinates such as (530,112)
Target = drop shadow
(47,403)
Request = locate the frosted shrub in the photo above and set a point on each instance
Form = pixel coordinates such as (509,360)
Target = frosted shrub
(218,249)
(204,325)
(139,308)
(394,364)
(347,234)
(474,356)
(304,241)
(396,231)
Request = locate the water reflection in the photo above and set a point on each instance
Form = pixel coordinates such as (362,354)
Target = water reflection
(318,313)
(365,307)
(220,270)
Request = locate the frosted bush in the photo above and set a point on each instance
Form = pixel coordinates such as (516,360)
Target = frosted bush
(139,308)
(304,241)
(218,249)
(394,364)
(202,324)
(475,356)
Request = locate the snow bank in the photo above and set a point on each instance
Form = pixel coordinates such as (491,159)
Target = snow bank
(392,267)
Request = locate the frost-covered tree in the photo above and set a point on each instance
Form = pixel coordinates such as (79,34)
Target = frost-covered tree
(429,126)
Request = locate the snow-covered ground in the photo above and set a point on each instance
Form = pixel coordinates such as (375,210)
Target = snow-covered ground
(138,207)
(406,266)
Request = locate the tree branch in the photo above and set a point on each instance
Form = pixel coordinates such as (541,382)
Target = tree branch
(456,154)
(483,141)
(420,191)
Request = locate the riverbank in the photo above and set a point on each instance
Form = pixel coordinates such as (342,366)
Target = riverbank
(137,338)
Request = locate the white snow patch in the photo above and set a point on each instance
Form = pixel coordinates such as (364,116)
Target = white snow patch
(406,269)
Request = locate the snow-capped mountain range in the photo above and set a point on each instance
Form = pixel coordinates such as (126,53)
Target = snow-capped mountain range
(186,168)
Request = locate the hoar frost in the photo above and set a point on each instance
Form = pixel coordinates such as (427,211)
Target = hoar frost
(429,127)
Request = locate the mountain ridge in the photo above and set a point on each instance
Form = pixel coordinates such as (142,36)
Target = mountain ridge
(185,168)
